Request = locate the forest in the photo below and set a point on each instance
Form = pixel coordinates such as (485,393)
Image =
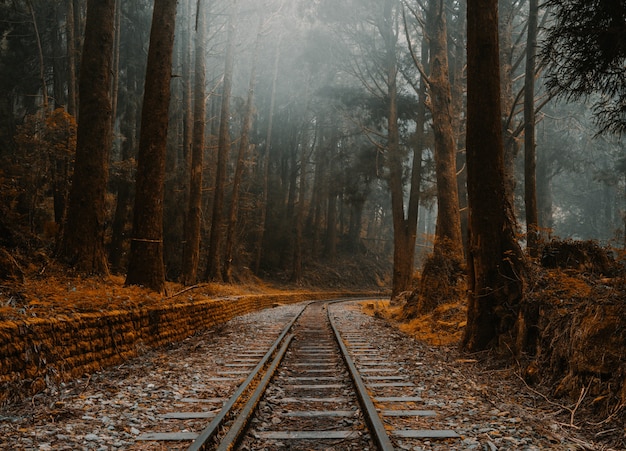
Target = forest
(294,164)
(439,150)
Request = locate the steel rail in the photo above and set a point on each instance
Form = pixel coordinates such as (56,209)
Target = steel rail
(370,413)
(202,440)
(241,421)
(237,429)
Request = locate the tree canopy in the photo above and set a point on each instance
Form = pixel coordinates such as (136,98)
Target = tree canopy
(585,48)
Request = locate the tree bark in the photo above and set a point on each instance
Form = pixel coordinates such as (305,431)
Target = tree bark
(509,102)
(146,251)
(191,249)
(320,188)
(544,192)
(42,67)
(82,244)
(356,223)
(214,270)
(122,216)
(241,157)
(266,164)
(530,162)
(496,264)
(59,162)
(330,237)
(184,155)
(458,108)
(416,173)
(188,112)
(296,275)
(402,249)
(59,66)
(448,230)
(443,268)
(71,59)
(116,64)
(400,275)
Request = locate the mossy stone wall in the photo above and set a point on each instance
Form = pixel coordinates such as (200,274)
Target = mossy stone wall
(37,352)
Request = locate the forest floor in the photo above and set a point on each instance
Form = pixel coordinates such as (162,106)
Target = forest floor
(57,294)
(109,409)
(596,418)
(51,290)
(581,422)
(575,375)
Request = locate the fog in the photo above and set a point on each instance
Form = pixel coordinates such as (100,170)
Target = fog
(317,161)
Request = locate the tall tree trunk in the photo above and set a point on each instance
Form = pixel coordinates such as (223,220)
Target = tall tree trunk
(418,150)
(288,188)
(59,66)
(530,163)
(188,112)
(330,239)
(122,216)
(544,192)
(191,249)
(71,59)
(328,221)
(458,108)
(59,163)
(355,224)
(402,254)
(42,67)
(241,157)
(296,274)
(214,270)
(404,228)
(82,244)
(509,102)
(416,172)
(177,161)
(443,269)
(266,164)
(448,230)
(146,251)
(121,227)
(116,66)
(319,187)
(80,17)
(496,264)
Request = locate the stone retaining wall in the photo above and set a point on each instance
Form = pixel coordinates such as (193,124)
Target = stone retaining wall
(37,352)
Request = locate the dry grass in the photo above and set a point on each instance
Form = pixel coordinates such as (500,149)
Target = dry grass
(444,326)
(56,295)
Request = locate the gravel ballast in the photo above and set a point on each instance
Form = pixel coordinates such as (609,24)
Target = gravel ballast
(111,409)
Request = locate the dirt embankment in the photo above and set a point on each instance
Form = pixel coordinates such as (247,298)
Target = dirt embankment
(570,344)
(573,327)
(55,325)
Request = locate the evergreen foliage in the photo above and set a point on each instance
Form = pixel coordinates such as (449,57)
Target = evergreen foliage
(586,51)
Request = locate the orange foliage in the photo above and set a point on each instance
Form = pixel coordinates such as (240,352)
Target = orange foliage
(60,295)
(442,326)
(562,286)
(55,135)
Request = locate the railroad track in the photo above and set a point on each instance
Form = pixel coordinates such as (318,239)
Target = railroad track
(321,384)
